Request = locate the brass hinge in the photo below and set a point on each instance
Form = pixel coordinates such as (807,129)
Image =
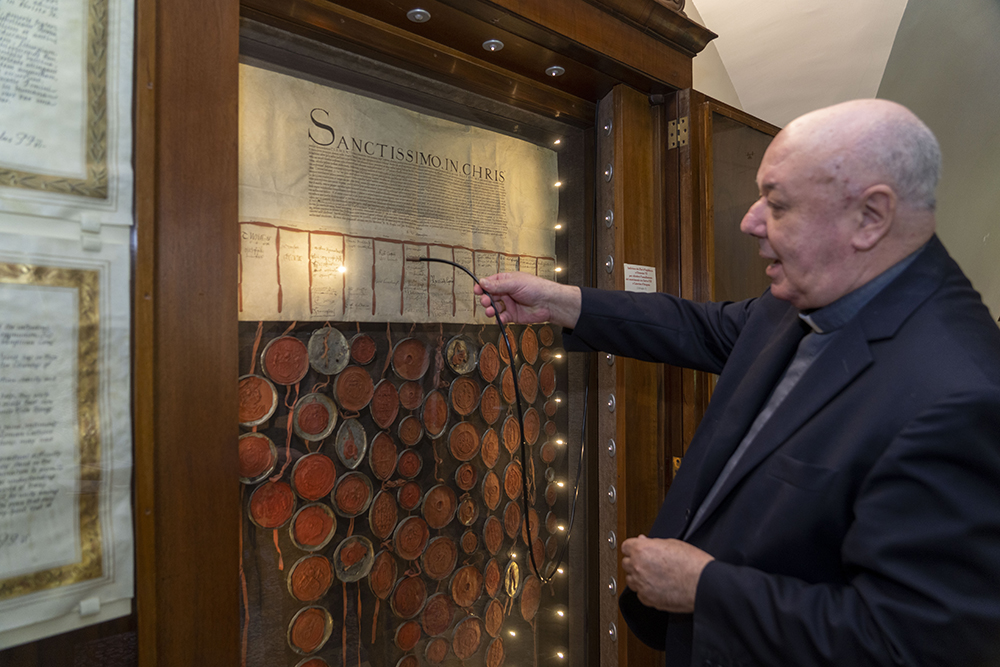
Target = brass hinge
(677,133)
(677,465)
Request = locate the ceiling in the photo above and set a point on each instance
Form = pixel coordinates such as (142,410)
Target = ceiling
(787,57)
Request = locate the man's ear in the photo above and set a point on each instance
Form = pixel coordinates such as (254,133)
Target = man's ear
(877,207)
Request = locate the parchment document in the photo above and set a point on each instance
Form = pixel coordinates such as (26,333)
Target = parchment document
(65,446)
(65,108)
(338,191)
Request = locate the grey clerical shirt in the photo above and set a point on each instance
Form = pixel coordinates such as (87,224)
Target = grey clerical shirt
(824,323)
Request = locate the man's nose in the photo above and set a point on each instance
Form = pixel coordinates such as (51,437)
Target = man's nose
(753,222)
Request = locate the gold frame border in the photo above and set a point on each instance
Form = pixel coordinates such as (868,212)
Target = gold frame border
(91,564)
(96,183)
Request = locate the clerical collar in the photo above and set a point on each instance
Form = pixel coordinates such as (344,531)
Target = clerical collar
(831,317)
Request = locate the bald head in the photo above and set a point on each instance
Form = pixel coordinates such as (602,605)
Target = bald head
(876,141)
(846,192)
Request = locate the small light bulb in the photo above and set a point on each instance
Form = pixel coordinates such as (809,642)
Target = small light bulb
(559,442)
(560,614)
(560,655)
(558,400)
(342,269)
(558,269)
(512,633)
(558,184)
(560,570)
(558,356)
(557,142)
(559,226)
(560,484)
(562,528)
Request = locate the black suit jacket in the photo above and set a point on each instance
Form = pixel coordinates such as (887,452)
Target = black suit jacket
(862,527)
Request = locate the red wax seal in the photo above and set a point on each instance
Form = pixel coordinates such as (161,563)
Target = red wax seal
(493,618)
(527,380)
(353,388)
(532,425)
(491,490)
(490,448)
(352,494)
(436,651)
(551,546)
(493,534)
(411,538)
(410,359)
(435,413)
(439,506)
(507,386)
(489,404)
(272,504)
(550,428)
(383,575)
(489,362)
(538,552)
(502,346)
(352,554)
(383,456)
(409,596)
(464,395)
(494,653)
(314,476)
(466,586)
(550,494)
(465,477)
(409,496)
(512,519)
(529,345)
(385,404)
(531,524)
(545,354)
(491,579)
(411,395)
(409,463)
(410,431)
(257,455)
(551,406)
(438,614)
(463,441)
(470,542)
(310,578)
(362,348)
(468,511)
(548,452)
(313,418)
(313,526)
(547,379)
(407,635)
(439,558)
(315,662)
(309,629)
(468,635)
(546,335)
(511,434)
(257,400)
(382,515)
(551,522)
(286,360)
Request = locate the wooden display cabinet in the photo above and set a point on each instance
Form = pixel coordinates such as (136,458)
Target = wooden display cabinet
(649,144)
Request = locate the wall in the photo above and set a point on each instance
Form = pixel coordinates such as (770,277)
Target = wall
(945,66)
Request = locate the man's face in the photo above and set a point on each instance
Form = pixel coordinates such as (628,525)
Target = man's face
(802,223)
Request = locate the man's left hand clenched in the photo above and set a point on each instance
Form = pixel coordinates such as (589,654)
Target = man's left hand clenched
(663,573)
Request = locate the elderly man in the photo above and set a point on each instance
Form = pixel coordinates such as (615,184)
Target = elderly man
(840,502)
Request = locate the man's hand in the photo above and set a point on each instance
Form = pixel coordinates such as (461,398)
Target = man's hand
(525,299)
(663,573)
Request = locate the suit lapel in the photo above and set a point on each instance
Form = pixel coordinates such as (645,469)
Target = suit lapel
(735,412)
(838,365)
